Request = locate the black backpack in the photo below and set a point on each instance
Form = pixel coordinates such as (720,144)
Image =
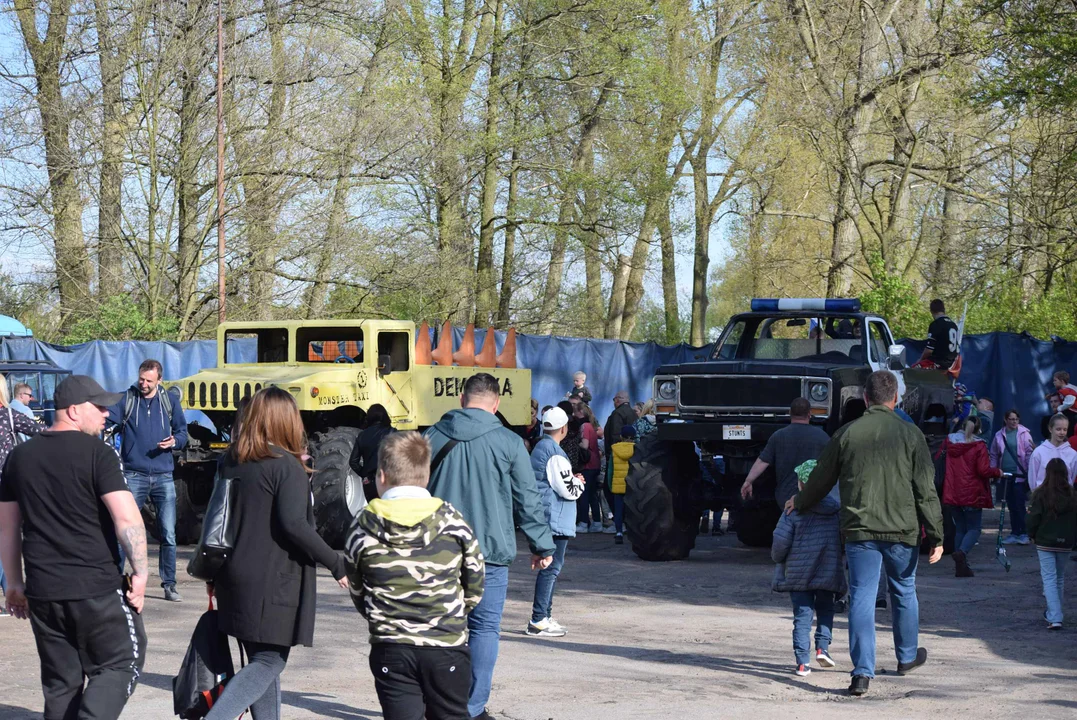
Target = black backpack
(205,669)
(130,399)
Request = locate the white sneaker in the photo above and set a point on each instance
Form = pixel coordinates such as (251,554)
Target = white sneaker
(1009,540)
(596,527)
(611,530)
(1054,626)
(556,625)
(543,628)
(581,528)
(803,670)
(1023,540)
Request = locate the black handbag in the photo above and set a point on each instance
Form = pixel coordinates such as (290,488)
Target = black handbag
(205,669)
(217,541)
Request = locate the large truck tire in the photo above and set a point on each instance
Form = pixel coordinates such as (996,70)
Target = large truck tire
(338,491)
(194,484)
(755,523)
(663,500)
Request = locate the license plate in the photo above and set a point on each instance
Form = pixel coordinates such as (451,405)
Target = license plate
(736,432)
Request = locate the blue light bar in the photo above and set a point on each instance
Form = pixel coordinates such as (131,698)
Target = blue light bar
(824,304)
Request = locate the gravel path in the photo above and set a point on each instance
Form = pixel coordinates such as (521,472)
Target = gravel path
(700,639)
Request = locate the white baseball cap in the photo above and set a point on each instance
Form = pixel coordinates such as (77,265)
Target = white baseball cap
(554,419)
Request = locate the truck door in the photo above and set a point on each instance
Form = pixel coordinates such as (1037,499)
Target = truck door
(879,341)
(394,372)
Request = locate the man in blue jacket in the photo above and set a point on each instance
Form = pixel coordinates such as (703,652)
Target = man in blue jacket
(482,469)
(152,424)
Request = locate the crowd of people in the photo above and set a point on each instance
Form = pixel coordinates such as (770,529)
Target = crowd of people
(427,559)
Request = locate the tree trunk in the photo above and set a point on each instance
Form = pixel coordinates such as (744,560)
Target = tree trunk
(641,254)
(72,260)
(669,276)
(592,258)
(508,260)
(112,61)
(486,279)
(617,294)
(584,147)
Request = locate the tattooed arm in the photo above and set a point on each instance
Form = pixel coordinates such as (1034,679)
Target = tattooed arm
(131,534)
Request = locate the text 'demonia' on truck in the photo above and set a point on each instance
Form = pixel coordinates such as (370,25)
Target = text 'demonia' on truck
(335,370)
(731,403)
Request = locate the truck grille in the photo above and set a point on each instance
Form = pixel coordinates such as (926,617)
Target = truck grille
(739,392)
(218,395)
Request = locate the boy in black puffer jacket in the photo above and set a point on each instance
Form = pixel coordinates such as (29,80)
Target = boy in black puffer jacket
(807,549)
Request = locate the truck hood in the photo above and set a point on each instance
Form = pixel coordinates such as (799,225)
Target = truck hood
(756,367)
(269,374)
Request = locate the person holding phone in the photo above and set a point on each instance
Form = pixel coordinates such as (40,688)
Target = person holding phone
(66,511)
(152,423)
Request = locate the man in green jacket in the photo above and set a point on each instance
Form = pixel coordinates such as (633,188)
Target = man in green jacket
(886,479)
(486,475)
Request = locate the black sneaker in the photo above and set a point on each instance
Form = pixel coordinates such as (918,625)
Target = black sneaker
(859,685)
(921,658)
(484,716)
(171,595)
(839,607)
(704,526)
(619,539)
(880,603)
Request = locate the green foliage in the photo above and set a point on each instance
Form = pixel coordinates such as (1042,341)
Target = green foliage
(651,325)
(120,318)
(1003,306)
(896,300)
(1032,47)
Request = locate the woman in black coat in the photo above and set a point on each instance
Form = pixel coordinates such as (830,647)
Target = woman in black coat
(266,591)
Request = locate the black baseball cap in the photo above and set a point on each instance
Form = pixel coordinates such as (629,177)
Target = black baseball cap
(78,389)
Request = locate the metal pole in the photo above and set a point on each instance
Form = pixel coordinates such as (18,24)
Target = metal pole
(220,162)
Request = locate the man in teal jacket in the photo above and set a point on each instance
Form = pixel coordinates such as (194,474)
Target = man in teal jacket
(486,475)
(883,470)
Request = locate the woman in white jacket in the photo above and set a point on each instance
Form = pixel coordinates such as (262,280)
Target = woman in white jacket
(1055,446)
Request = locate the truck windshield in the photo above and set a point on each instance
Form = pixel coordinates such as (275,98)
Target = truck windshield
(827,339)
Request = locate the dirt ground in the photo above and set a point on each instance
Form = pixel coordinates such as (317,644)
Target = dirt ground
(700,639)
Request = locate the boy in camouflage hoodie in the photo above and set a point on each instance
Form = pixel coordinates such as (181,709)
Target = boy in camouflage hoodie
(415,571)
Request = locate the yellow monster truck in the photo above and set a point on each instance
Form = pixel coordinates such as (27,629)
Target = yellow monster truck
(335,370)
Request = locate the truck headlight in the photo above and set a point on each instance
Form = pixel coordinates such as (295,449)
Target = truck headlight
(819,392)
(667,390)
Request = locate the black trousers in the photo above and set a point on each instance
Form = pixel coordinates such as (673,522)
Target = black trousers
(98,642)
(417,682)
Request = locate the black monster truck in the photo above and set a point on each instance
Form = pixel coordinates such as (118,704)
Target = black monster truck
(730,404)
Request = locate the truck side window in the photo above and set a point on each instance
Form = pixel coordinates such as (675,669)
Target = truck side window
(396,346)
(329,345)
(879,342)
(272,345)
(730,343)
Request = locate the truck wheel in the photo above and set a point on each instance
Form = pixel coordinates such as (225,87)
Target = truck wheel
(194,484)
(755,524)
(664,499)
(338,491)
(189,513)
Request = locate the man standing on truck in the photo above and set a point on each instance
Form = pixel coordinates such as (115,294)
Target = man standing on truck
(786,450)
(152,424)
(483,470)
(883,469)
(943,340)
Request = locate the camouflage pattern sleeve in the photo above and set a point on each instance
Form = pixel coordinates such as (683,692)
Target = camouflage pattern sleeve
(353,551)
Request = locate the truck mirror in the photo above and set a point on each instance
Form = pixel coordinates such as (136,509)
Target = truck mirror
(897,357)
(385,364)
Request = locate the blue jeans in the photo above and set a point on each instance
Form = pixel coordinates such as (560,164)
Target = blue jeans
(968,522)
(589,500)
(899,562)
(805,604)
(484,632)
(619,513)
(547,579)
(161,489)
(1053,574)
(1016,496)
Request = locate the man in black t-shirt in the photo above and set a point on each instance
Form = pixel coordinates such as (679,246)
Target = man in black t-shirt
(64,506)
(943,344)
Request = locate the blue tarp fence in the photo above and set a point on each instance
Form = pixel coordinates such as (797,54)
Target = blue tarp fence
(1013,370)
